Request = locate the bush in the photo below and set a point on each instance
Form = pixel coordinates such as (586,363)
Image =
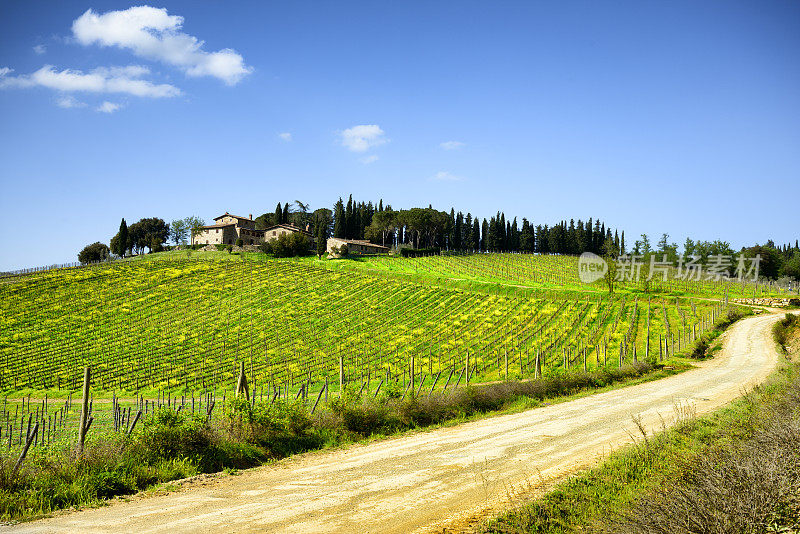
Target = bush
(281,428)
(174,435)
(240,242)
(340,251)
(93,253)
(784,326)
(290,244)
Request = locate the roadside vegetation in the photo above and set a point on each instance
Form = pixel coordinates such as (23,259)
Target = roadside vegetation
(737,470)
(172,445)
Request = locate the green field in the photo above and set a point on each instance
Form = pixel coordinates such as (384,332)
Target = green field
(187,324)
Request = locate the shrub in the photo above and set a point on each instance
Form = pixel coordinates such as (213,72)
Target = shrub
(175,435)
(281,428)
(291,244)
(239,242)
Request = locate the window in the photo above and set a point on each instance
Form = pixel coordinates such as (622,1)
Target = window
(217,230)
(274,232)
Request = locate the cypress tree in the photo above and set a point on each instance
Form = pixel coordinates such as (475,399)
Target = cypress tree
(123,238)
(322,240)
(484,235)
(285,216)
(339,220)
(468,243)
(349,219)
(458,231)
(476,234)
(278,214)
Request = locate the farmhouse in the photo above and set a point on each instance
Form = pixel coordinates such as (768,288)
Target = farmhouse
(227,229)
(356,246)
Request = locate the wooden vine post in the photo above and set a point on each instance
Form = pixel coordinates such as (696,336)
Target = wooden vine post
(86,419)
(341,375)
(24,453)
(241,384)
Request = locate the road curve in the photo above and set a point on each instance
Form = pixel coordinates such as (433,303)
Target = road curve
(426,481)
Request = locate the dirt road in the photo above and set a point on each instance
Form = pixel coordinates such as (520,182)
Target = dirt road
(429,480)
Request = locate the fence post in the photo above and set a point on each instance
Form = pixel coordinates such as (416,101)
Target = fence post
(341,375)
(24,453)
(412,376)
(84,423)
(241,384)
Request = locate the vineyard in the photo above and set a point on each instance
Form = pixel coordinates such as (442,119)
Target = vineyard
(183,324)
(182,332)
(553,272)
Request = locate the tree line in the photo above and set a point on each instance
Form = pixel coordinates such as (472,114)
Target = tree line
(428,228)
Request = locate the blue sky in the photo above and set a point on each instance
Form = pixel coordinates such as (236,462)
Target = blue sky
(678,117)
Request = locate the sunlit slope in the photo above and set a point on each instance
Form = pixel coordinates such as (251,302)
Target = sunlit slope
(550,272)
(184,323)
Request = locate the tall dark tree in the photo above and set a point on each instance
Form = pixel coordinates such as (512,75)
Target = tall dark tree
(484,236)
(339,220)
(122,243)
(322,240)
(527,239)
(349,219)
(468,243)
(458,231)
(285,214)
(278,214)
(476,234)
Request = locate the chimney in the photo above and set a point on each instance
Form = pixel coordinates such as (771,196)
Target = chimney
(251,216)
(308,227)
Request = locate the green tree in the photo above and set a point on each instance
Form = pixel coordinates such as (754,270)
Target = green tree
(792,267)
(339,219)
(150,232)
(526,237)
(384,223)
(194,225)
(119,243)
(322,240)
(94,252)
(178,231)
(610,276)
(278,214)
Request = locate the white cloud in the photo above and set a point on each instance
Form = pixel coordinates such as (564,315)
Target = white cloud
(286,136)
(444,176)
(101,80)
(151,33)
(4,71)
(363,137)
(40,49)
(69,101)
(369,159)
(108,107)
(451,145)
